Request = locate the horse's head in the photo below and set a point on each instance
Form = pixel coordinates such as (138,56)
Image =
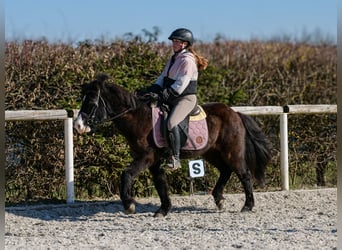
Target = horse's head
(93,109)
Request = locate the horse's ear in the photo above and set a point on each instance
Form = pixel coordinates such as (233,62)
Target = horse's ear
(101,79)
(84,87)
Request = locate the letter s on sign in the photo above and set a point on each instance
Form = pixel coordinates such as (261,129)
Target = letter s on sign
(196,168)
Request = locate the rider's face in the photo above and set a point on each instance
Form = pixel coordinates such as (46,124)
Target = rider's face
(178,45)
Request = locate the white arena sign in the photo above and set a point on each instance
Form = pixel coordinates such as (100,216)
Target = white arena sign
(196,168)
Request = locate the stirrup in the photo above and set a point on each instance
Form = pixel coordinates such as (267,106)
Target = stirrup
(174,163)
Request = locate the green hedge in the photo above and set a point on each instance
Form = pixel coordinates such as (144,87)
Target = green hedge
(42,75)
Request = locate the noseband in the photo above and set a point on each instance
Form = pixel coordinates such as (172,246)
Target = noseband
(91,121)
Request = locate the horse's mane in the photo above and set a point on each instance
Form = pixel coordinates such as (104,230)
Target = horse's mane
(127,98)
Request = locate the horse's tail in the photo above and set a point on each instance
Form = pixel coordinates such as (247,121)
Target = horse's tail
(257,151)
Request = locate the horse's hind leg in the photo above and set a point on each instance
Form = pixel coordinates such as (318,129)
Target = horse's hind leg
(217,193)
(245,177)
(160,182)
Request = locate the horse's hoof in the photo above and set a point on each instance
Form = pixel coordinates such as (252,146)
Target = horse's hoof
(220,205)
(158,215)
(246,209)
(161,213)
(130,209)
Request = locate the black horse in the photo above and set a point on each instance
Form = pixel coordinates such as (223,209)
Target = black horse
(236,143)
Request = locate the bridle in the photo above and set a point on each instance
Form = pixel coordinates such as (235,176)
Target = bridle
(91,120)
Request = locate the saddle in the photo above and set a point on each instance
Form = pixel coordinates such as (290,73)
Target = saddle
(193,129)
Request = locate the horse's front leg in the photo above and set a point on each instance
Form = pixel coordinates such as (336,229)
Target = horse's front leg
(160,183)
(127,177)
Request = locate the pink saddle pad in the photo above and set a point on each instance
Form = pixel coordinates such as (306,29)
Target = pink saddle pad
(198,131)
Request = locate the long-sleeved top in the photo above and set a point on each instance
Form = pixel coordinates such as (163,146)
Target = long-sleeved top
(183,70)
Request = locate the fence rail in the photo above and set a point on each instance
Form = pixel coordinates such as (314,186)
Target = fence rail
(69,115)
(20,115)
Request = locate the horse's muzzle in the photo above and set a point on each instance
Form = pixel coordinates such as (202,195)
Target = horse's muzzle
(80,126)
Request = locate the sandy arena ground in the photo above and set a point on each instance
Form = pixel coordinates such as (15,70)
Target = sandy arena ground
(304,219)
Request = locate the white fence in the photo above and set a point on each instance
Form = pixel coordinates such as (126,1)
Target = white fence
(68,117)
(20,115)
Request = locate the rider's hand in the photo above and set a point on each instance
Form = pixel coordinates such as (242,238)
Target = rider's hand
(169,94)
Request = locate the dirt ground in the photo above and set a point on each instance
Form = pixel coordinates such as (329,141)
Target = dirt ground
(303,219)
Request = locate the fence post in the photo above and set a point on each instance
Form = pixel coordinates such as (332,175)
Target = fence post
(284,160)
(69,158)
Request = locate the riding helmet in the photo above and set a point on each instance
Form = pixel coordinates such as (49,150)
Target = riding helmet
(183,35)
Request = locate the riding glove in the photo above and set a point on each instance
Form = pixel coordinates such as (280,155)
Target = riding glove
(169,94)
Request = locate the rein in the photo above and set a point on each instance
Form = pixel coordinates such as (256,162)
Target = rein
(117,115)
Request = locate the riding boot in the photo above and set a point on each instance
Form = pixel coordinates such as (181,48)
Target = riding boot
(174,139)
